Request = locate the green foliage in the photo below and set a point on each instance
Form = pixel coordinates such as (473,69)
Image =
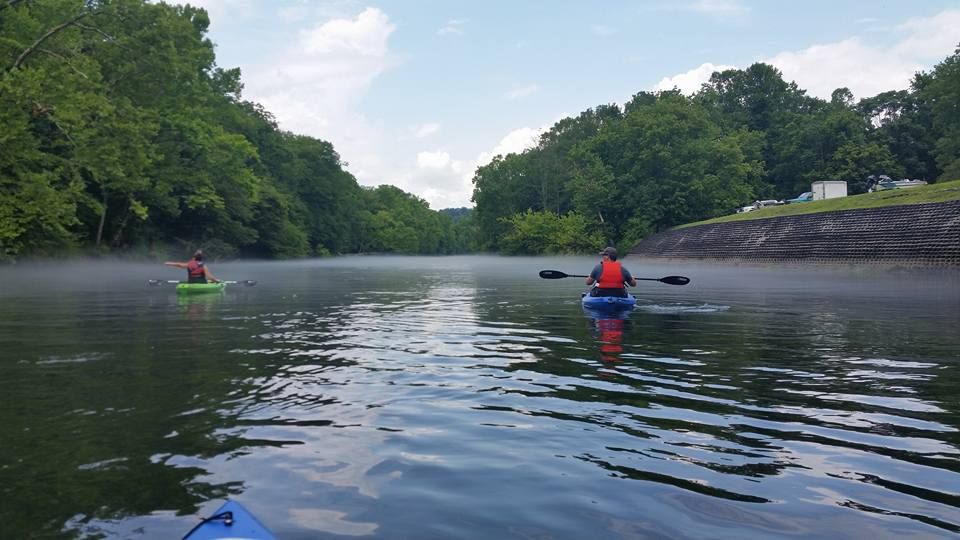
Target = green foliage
(902,122)
(942,91)
(666,159)
(120,131)
(546,232)
(396,222)
(857,162)
(500,190)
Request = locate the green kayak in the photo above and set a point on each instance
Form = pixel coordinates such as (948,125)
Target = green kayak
(200,288)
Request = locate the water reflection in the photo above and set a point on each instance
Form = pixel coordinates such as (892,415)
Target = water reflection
(608,328)
(463,398)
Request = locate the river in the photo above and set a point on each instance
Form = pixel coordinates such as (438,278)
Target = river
(466,398)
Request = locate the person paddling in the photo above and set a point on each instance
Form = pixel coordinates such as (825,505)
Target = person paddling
(610,276)
(197,272)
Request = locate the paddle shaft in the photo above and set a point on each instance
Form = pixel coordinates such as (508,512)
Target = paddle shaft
(670,280)
(636,278)
(247,282)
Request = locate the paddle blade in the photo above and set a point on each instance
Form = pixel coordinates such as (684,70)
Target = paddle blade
(552,274)
(675,280)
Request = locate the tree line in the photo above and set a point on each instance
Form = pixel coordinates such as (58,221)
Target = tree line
(613,174)
(118,132)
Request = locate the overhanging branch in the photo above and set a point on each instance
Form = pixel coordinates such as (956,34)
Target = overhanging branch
(9,4)
(23,56)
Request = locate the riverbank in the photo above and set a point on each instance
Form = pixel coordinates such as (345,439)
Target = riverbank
(882,228)
(933,193)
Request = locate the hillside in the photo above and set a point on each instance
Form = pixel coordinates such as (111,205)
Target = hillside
(933,193)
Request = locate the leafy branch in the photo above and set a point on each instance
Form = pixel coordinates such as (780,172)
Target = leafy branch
(50,33)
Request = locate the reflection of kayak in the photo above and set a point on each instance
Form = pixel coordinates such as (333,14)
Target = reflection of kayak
(609,302)
(200,288)
(231,520)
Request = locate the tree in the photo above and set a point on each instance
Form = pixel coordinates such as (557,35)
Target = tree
(546,232)
(942,92)
(664,165)
(501,189)
(753,98)
(901,121)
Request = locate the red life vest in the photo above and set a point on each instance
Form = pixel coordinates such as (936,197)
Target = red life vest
(195,270)
(612,276)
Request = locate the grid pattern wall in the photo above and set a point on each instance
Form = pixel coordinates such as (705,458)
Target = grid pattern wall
(910,235)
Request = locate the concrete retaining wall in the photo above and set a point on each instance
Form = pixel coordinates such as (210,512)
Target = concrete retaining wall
(909,235)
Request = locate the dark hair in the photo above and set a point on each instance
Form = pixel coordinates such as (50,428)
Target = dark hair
(198,255)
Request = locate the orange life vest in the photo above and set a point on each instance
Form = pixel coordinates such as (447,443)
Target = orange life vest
(195,270)
(611,277)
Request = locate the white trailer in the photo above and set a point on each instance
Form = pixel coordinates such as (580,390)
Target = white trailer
(828,189)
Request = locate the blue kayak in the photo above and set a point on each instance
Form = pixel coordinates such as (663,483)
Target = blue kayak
(611,303)
(230,521)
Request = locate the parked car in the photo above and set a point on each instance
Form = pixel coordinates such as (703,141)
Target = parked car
(806,196)
(745,209)
(895,184)
(767,202)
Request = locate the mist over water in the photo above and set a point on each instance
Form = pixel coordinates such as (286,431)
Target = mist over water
(464,397)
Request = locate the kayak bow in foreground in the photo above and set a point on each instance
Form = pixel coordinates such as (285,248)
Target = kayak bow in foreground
(230,521)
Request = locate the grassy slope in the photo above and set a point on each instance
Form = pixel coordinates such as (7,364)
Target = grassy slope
(940,192)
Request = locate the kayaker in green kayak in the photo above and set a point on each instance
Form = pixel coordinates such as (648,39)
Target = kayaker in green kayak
(610,276)
(197,272)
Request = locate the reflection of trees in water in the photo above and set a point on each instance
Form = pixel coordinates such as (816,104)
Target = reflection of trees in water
(124,430)
(638,474)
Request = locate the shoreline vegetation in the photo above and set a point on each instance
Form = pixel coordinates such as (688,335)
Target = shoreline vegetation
(146,146)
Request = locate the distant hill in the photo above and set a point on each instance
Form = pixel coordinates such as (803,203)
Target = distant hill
(457,214)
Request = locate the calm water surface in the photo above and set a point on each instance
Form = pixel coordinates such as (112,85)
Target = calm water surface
(464,397)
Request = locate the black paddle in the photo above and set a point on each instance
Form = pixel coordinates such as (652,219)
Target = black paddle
(669,280)
(247,282)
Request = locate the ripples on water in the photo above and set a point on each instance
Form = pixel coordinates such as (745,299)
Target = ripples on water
(465,402)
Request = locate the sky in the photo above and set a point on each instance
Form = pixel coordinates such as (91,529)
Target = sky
(419,93)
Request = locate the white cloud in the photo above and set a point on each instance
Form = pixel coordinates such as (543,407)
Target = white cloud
(514,142)
(314,86)
(437,178)
(690,82)
(433,160)
(453,26)
(865,68)
(425,130)
(930,37)
(522,91)
(447,182)
(366,35)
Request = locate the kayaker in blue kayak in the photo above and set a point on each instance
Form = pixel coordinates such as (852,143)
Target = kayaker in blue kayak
(610,276)
(197,272)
